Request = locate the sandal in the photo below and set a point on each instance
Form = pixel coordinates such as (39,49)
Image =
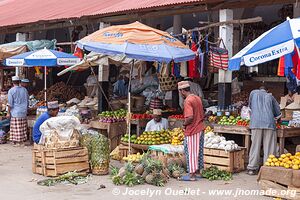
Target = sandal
(187,178)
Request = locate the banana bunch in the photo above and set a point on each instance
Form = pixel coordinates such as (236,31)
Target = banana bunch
(177,135)
(133,157)
(208,129)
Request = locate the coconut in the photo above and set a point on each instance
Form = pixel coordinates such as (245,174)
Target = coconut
(149,178)
(176,174)
(122,172)
(139,169)
(163,160)
(144,174)
(166,172)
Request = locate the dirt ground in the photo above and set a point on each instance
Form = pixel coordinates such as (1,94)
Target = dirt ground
(18,182)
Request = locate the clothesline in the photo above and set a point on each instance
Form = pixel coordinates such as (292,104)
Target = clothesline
(240,21)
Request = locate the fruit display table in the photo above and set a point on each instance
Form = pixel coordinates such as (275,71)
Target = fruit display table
(236,130)
(113,131)
(286,133)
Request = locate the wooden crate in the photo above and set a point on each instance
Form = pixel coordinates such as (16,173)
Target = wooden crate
(231,161)
(124,150)
(55,162)
(284,183)
(279,190)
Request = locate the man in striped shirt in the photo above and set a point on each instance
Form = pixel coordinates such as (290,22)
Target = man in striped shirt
(193,130)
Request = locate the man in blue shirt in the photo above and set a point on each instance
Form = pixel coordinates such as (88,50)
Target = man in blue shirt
(53,109)
(121,87)
(265,111)
(17,112)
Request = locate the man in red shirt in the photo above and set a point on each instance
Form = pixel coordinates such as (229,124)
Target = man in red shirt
(193,125)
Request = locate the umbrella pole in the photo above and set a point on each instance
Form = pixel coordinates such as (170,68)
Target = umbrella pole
(45,85)
(129,108)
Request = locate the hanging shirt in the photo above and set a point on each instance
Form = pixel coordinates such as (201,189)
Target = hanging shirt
(18,101)
(121,88)
(157,126)
(264,108)
(36,133)
(193,64)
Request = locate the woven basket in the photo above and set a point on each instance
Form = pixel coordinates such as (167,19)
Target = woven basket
(168,83)
(103,170)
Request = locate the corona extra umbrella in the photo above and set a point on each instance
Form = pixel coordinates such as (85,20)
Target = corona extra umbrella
(279,41)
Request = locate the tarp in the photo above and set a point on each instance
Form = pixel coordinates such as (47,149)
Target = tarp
(96,59)
(14,48)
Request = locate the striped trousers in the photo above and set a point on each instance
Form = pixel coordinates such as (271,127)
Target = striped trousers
(193,148)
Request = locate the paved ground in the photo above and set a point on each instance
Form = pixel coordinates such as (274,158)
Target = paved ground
(18,182)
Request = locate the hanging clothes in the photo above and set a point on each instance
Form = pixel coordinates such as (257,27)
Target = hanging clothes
(201,62)
(193,64)
(280,69)
(176,70)
(183,69)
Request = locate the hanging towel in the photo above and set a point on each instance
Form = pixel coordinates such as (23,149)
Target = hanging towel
(201,62)
(193,64)
(183,69)
(280,70)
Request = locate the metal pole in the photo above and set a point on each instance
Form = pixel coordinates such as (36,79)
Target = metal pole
(129,107)
(45,85)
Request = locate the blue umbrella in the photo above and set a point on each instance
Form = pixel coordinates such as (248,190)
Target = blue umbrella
(43,57)
(273,44)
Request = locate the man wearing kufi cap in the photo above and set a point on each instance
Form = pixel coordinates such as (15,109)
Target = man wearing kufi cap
(157,123)
(24,82)
(195,89)
(193,130)
(17,112)
(53,108)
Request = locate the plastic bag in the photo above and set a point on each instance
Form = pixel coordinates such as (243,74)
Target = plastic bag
(245,112)
(63,126)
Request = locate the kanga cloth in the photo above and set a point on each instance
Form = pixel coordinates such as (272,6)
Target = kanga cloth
(193,148)
(18,129)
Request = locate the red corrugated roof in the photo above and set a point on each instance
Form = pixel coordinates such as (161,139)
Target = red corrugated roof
(14,12)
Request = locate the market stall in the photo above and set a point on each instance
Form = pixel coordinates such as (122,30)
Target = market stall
(160,47)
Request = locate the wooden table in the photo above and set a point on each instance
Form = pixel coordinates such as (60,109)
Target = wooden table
(240,130)
(236,130)
(286,133)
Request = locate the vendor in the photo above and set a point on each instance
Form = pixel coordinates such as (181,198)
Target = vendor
(121,86)
(195,89)
(157,123)
(53,109)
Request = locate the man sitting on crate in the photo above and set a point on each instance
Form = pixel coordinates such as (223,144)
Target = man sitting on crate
(53,109)
(265,111)
(157,123)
